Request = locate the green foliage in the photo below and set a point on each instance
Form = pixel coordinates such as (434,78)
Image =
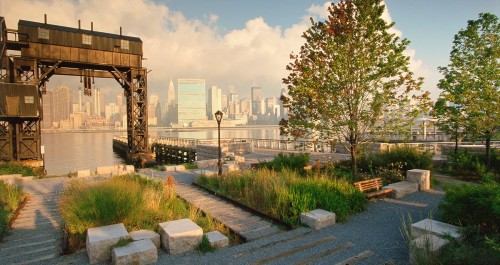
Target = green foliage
(391,165)
(287,162)
(11,196)
(286,194)
(16,168)
(346,84)
(190,166)
(467,164)
(470,87)
(136,202)
(205,246)
(483,251)
(473,205)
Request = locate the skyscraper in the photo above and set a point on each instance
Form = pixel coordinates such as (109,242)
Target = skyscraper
(256,100)
(171,106)
(214,101)
(191,101)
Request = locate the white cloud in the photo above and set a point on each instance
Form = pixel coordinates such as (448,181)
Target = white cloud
(179,47)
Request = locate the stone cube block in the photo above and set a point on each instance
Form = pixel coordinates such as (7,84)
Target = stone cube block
(206,163)
(83,173)
(318,218)
(180,236)
(180,168)
(169,168)
(402,188)
(217,239)
(137,252)
(230,167)
(429,226)
(129,169)
(420,176)
(146,234)
(425,246)
(100,240)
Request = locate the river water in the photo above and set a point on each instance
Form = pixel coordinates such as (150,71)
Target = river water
(67,152)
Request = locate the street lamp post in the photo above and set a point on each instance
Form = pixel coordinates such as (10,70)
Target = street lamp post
(218,117)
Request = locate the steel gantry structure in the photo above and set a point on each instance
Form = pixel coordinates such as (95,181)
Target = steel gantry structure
(44,50)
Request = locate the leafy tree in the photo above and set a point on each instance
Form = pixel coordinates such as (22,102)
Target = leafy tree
(471,80)
(449,119)
(351,82)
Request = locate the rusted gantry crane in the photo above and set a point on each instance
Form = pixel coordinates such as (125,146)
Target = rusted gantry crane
(47,50)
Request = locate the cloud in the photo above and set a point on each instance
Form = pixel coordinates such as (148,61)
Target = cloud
(178,47)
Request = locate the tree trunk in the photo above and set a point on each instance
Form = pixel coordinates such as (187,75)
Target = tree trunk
(456,140)
(488,142)
(354,164)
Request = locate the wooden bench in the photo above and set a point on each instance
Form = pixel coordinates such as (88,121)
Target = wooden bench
(375,184)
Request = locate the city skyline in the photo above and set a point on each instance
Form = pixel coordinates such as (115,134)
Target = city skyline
(236,45)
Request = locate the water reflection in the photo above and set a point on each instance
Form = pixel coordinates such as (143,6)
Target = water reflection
(69,152)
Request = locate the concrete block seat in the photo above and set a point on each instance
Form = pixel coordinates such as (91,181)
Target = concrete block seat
(100,241)
(217,239)
(429,226)
(180,236)
(146,234)
(137,252)
(402,188)
(318,219)
(420,176)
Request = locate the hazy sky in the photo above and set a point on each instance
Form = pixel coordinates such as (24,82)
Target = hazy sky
(237,44)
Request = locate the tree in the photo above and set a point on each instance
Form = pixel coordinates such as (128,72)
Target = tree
(449,119)
(351,82)
(471,80)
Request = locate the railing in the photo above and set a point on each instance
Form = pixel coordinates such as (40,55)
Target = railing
(302,145)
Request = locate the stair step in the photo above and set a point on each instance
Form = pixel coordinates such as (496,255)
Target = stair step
(11,247)
(16,237)
(38,225)
(29,255)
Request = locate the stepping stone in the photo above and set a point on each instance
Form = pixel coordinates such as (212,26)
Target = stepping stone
(83,173)
(146,234)
(100,240)
(425,245)
(428,226)
(318,218)
(403,188)
(137,252)
(180,236)
(420,176)
(217,239)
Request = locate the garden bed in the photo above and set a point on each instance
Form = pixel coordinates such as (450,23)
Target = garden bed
(11,201)
(286,194)
(136,202)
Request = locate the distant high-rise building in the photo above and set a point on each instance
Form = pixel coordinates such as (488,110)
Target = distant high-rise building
(214,101)
(48,106)
(171,105)
(256,100)
(61,103)
(191,101)
(171,93)
(224,102)
(246,107)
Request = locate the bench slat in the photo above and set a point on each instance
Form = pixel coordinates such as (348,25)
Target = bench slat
(372,184)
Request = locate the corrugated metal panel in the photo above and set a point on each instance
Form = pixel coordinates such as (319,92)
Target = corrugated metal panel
(19,100)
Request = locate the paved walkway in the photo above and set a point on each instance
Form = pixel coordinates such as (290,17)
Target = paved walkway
(371,237)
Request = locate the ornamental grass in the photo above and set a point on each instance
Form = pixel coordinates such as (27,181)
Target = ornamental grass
(11,197)
(286,194)
(136,202)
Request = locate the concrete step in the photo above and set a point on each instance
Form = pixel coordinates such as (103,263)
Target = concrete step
(42,216)
(80,257)
(26,243)
(27,233)
(29,256)
(13,242)
(15,236)
(242,228)
(37,225)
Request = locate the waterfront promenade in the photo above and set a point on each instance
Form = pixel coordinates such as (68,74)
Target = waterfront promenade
(371,237)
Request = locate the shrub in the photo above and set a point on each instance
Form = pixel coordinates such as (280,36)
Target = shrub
(16,168)
(11,197)
(473,205)
(474,164)
(286,194)
(392,165)
(290,162)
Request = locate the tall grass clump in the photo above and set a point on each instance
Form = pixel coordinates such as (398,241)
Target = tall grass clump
(136,202)
(287,162)
(11,197)
(286,194)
